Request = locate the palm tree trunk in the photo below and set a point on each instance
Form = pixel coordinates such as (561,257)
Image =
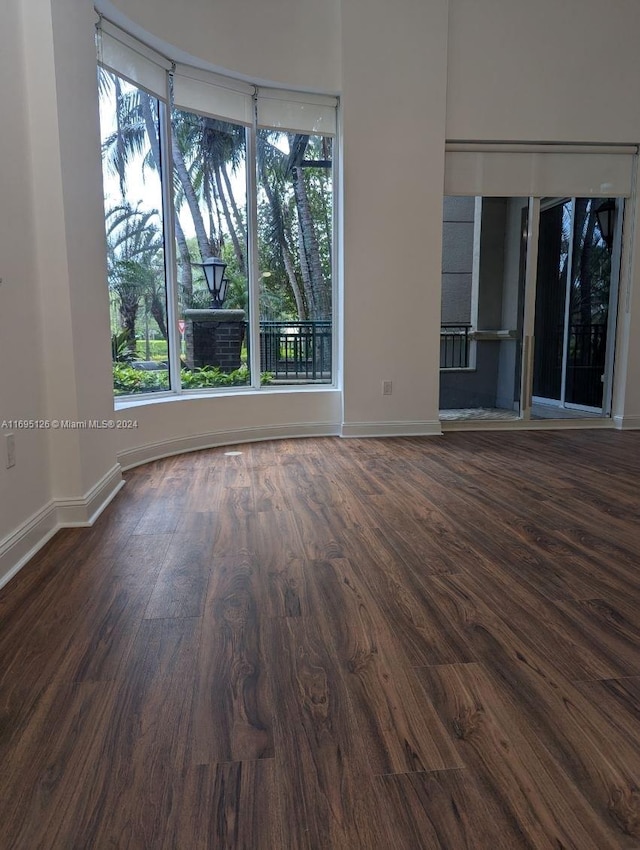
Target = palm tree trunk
(279,227)
(212,204)
(186,274)
(236,212)
(320,306)
(182,174)
(128,315)
(293,282)
(305,274)
(230,224)
(157,309)
(585,292)
(325,192)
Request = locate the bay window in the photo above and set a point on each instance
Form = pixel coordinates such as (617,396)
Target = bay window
(219,220)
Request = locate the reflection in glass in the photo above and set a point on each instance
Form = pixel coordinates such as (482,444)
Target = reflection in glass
(553,267)
(572,307)
(588,308)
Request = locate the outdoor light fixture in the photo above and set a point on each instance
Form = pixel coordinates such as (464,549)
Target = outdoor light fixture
(217,283)
(606,216)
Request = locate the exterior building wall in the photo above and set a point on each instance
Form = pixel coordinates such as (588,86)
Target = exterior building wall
(457,259)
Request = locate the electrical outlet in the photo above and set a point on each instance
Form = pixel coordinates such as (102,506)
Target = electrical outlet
(10,443)
(387,387)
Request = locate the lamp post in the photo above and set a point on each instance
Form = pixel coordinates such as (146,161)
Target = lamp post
(606,216)
(214,269)
(214,335)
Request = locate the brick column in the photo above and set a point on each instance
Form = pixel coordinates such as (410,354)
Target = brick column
(214,338)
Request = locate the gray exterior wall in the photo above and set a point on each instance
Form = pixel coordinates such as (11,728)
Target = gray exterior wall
(457,259)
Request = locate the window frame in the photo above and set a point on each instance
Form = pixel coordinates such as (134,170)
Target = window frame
(176,390)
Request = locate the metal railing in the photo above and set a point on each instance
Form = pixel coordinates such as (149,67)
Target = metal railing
(454,346)
(582,365)
(296,351)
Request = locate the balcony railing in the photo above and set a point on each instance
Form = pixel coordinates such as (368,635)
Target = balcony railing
(454,346)
(296,352)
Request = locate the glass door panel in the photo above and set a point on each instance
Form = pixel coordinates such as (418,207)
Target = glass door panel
(553,265)
(588,309)
(573,294)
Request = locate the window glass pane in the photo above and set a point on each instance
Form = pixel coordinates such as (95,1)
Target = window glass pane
(129,121)
(458,224)
(295,198)
(209,160)
(553,263)
(589,305)
(573,294)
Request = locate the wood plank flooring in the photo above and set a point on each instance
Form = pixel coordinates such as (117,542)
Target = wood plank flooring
(417,643)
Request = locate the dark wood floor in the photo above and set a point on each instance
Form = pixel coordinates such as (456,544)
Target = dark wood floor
(335,645)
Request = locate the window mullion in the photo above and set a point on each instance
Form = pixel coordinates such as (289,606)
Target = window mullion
(166,168)
(529,310)
(252,240)
(336,256)
(567,306)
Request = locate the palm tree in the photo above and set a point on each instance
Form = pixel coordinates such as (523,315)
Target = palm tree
(298,217)
(204,150)
(134,242)
(207,154)
(276,252)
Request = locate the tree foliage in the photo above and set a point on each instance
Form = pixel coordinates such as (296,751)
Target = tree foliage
(209,169)
(134,253)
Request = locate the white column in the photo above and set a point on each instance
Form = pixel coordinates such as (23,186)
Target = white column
(394,71)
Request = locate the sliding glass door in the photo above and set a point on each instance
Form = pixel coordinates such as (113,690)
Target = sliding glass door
(529,294)
(573,306)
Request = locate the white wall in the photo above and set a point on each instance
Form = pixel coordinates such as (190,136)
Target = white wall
(171,425)
(66,166)
(295,43)
(393,97)
(626,386)
(543,70)
(54,339)
(25,488)
(549,71)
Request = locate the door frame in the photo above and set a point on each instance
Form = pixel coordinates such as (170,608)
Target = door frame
(531,280)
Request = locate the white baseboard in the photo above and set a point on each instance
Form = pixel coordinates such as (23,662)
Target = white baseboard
(627,423)
(22,544)
(391,429)
(526,425)
(166,448)
(84,511)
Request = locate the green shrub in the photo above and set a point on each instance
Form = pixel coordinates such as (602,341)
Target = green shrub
(213,376)
(128,381)
(121,348)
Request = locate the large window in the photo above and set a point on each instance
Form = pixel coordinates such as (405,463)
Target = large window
(129,120)
(295,213)
(219,224)
(210,167)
